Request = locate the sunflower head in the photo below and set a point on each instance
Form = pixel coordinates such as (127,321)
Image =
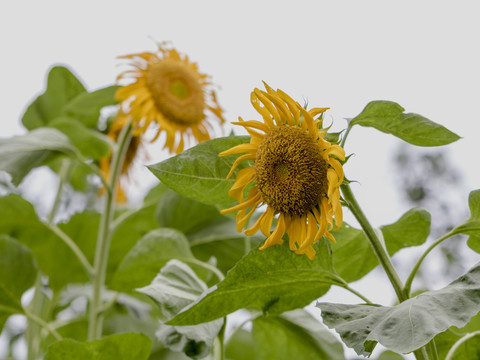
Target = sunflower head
(168,90)
(296,173)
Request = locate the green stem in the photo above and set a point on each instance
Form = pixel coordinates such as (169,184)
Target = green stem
(421,354)
(433,349)
(207,266)
(344,139)
(247,244)
(408,283)
(74,247)
(95,319)
(220,349)
(63,178)
(355,292)
(459,342)
(378,247)
(43,324)
(33,330)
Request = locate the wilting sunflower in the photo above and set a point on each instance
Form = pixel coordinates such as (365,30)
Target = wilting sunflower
(134,147)
(170,91)
(296,173)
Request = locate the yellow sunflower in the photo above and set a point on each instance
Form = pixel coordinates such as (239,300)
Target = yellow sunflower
(296,173)
(134,147)
(169,91)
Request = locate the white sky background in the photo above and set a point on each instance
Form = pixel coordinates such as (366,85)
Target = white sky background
(342,54)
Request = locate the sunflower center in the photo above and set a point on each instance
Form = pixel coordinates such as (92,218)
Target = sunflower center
(176,91)
(290,171)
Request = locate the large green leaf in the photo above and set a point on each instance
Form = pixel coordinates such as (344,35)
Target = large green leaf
(86,106)
(240,346)
(353,256)
(174,288)
(148,256)
(272,280)
(467,348)
(199,173)
(54,258)
(294,335)
(411,229)
(20,154)
(17,274)
(472,225)
(128,231)
(62,87)
(128,346)
(184,214)
(410,324)
(91,143)
(389,117)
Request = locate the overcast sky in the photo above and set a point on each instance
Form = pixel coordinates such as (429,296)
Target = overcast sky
(342,54)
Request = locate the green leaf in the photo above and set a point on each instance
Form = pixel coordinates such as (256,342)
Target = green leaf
(54,258)
(472,225)
(20,154)
(174,288)
(353,257)
(91,143)
(62,86)
(148,256)
(468,348)
(273,280)
(294,335)
(221,239)
(240,346)
(412,229)
(128,346)
(17,274)
(199,173)
(410,324)
(390,355)
(129,231)
(184,214)
(389,117)
(86,106)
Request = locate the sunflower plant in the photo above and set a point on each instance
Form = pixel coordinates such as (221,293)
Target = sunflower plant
(229,255)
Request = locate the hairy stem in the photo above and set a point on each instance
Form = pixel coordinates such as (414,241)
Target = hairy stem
(378,248)
(95,319)
(408,283)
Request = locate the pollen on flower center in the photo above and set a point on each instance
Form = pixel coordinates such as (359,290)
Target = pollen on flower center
(176,91)
(290,171)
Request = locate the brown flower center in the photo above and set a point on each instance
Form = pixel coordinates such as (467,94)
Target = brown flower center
(176,91)
(290,171)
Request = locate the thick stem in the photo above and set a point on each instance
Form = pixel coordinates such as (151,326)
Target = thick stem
(95,319)
(378,248)
(408,283)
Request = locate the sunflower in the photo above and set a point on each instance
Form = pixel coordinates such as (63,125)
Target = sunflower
(296,173)
(135,145)
(169,91)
